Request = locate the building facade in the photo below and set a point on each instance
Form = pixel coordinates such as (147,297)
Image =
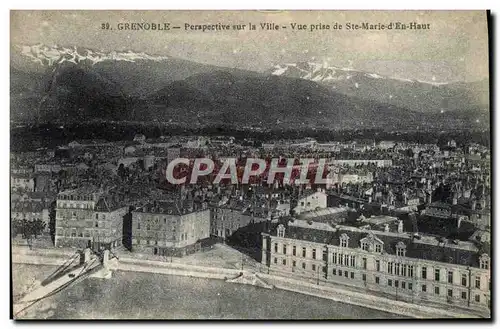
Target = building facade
(170,228)
(89,218)
(409,268)
(311,200)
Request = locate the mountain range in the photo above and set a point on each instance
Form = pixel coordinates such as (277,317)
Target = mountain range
(73,84)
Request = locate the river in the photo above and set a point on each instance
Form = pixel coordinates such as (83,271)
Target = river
(134,295)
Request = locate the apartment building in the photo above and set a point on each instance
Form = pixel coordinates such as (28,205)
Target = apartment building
(89,217)
(170,227)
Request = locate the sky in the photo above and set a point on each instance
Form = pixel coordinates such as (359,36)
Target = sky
(455,48)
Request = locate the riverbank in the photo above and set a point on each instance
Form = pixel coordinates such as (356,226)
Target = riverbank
(338,294)
(131,295)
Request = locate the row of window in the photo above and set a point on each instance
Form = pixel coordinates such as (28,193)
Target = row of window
(390,282)
(72,205)
(366,246)
(345,260)
(398,269)
(294,264)
(437,277)
(463,294)
(153,221)
(392,268)
(404,284)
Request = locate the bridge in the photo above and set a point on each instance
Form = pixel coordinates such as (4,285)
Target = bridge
(75,269)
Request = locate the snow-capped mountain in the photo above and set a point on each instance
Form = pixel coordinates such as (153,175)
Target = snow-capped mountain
(78,84)
(328,73)
(48,56)
(318,72)
(421,96)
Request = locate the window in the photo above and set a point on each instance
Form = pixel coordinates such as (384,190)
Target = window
(325,255)
(436,274)
(346,260)
(477,298)
(294,251)
(389,283)
(404,269)
(352,275)
(164,221)
(353,261)
(344,240)
(304,266)
(424,272)
(436,290)
(424,288)
(275,260)
(314,254)
(389,267)
(377,280)
(96,224)
(478,282)
(378,247)
(401,249)
(284,261)
(364,276)
(484,262)
(396,268)
(334,259)
(464,280)
(364,246)
(377,265)
(294,263)
(313,266)
(450,293)
(281,231)
(450,277)
(410,286)
(346,274)
(284,249)
(304,252)
(340,272)
(364,263)
(396,283)
(464,294)
(334,271)
(275,247)
(410,271)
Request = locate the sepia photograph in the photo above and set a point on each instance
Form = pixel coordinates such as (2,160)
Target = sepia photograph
(250,165)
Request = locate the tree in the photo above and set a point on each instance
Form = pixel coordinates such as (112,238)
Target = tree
(29,228)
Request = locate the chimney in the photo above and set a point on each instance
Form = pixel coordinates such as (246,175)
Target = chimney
(400,226)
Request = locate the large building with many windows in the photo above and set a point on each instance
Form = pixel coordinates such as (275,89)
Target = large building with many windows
(170,227)
(409,267)
(89,217)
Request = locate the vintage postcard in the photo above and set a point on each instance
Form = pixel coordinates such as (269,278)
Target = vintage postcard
(263,164)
